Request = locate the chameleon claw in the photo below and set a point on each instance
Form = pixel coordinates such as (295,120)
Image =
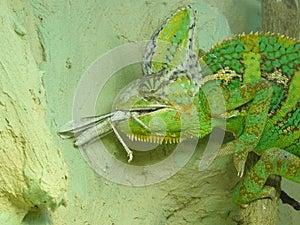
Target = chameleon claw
(240,170)
(239,160)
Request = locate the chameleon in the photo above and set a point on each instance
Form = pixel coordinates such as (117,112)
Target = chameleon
(247,85)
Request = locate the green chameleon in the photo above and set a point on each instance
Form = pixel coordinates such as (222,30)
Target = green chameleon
(248,85)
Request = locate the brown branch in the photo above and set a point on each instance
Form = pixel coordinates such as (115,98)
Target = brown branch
(262,211)
(286,199)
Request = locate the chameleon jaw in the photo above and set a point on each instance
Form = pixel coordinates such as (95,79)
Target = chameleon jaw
(154,138)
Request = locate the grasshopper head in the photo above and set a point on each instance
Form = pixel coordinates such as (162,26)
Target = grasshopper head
(163,109)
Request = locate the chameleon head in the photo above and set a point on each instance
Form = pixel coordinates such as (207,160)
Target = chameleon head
(163,108)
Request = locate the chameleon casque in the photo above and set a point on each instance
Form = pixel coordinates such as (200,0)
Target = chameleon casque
(248,85)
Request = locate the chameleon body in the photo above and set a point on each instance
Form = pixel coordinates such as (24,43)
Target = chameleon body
(248,85)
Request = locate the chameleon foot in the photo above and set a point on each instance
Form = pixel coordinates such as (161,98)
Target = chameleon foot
(239,156)
(239,160)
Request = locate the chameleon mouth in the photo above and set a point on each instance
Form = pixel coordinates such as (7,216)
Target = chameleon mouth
(90,129)
(154,138)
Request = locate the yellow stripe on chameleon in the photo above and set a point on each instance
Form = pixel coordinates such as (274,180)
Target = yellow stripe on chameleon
(252,67)
(251,57)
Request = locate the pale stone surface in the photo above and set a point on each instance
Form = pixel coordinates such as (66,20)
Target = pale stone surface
(33,175)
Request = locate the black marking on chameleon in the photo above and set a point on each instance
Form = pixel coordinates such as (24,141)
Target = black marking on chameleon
(149,52)
(192,26)
(148,56)
(154,86)
(175,74)
(191,34)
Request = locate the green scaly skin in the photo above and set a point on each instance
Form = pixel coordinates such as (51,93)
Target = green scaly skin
(248,85)
(272,121)
(259,79)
